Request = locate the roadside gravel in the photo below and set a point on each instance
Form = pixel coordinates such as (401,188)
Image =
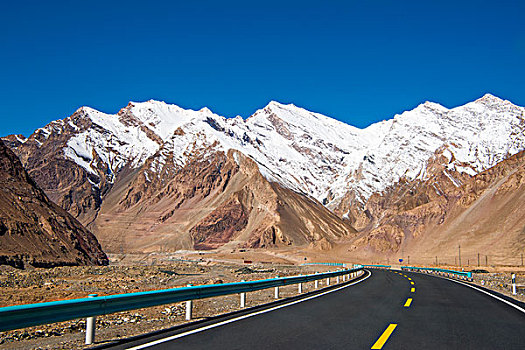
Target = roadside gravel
(39,285)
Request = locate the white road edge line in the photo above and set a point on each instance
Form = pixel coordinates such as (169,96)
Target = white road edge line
(180,335)
(478,289)
(492,295)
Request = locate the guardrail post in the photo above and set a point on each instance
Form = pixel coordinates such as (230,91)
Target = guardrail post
(90,326)
(513,284)
(243,297)
(276,291)
(300,288)
(316,284)
(328,280)
(189,305)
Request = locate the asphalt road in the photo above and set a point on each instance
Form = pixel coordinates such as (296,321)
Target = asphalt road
(441,315)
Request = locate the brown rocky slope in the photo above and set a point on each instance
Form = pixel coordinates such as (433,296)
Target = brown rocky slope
(35,231)
(427,219)
(64,181)
(216,200)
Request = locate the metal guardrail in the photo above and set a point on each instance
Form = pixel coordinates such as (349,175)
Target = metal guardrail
(378,266)
(324,264)
(20,316)
(441,272)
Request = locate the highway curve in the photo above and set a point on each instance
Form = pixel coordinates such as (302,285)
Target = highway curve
(374,313)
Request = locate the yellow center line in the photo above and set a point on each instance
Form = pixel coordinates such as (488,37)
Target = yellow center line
(384,337)
(410,279)
(405,275)
(409,301)
(412,282)
(412,290)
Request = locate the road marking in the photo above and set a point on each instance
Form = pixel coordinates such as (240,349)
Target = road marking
(412,290)
(409,301)
(480,290)
(492,295)
(405,275)
(410,279)
(412,282)
(384,337)
(198,330)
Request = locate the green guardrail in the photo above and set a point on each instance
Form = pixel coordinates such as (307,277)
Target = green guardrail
(20,316)
(439,271)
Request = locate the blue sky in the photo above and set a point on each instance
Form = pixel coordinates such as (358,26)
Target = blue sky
(356,61)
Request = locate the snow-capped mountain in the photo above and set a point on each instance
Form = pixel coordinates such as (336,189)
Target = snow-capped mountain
(305,151)
(309,153)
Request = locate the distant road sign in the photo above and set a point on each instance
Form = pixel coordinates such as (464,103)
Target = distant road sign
(400,260)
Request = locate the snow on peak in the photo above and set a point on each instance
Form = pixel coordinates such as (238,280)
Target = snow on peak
(306,151)
(434,106)
(278,104)
(162,118)
(489,98)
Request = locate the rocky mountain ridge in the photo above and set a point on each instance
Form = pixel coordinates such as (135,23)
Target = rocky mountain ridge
(85,159)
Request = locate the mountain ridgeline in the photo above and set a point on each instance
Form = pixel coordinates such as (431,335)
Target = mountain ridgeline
(156,177)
